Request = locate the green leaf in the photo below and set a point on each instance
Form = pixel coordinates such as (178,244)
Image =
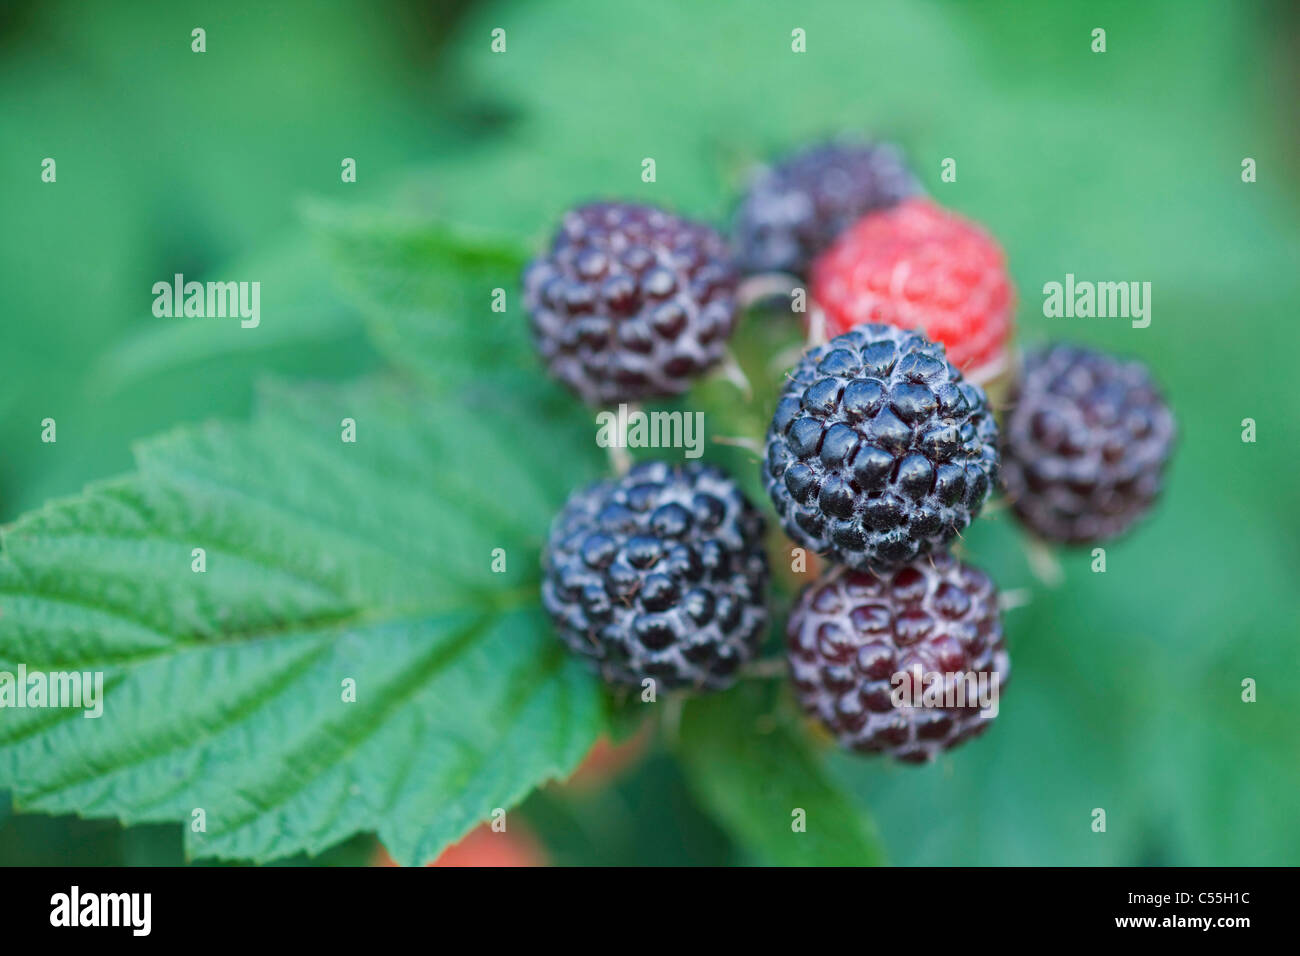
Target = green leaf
(325,562)
(753,766)
(299,312)
(426,289)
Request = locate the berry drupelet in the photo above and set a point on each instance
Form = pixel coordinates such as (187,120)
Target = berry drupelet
(630,302)
(879,451)
(659,574)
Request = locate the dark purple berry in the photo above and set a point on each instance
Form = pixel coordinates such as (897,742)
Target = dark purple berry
(630,302)
(1085,444)
(853,635)
(798,207)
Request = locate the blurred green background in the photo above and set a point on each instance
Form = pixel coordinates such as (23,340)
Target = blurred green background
(1117,166)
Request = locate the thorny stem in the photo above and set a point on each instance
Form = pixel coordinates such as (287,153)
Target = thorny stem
(816,326)
(765,669)
(1015,598)
(989,371)
(731,371)
(996,506)
(817,335)
(786,358)
(765,285)
(619,459)
(749,444)
(670,718)
(1043,563)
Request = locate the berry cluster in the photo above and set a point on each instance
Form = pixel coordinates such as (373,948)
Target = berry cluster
(883,447)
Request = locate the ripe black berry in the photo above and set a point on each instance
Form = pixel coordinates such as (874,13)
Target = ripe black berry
(630,302)
(853,634)
(660,573)
(879,451)
(798,207)
(1085,444)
